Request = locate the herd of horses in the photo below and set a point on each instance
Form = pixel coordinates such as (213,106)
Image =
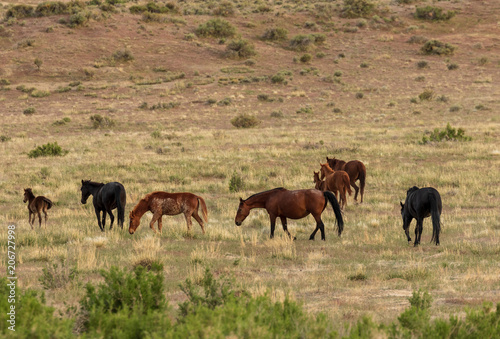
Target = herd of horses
(336,179)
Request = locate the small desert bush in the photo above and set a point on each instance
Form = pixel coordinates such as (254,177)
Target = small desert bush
(240,49)
(433,13)
(122,55)
(305,110)
(4,138)
(98,121)
(245,121)
(216,28)
(277,114)
(306,58)
(303,42)
(19,12)
(236,183)
(427,94)
(422,64)
(57,275)
(225,8)
(417,39)
(79,19)
(448,134)
(275,34)
(47,150)
(29,111)
(39,93)
(357,8)
(437,47)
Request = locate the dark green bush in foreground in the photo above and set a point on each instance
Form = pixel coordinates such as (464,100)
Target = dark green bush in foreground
(49,149)
(448,134)
(132,305)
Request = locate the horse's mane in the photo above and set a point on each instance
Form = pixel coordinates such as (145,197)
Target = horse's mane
(93,183)
(413,189)
(269,191)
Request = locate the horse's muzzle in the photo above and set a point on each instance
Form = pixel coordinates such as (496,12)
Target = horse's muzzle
(238,223)
(131,231)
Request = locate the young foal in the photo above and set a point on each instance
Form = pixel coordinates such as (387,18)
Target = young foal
(336,181)
(318,183)
(163,203)
(35,205)
(356,171)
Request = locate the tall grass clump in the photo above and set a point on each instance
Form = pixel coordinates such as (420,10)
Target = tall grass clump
(216,28)
(447,134)
(433,13)
(236,183)
(47,150)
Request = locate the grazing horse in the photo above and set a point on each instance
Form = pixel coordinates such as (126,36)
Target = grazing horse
(106,197)
(35,205)
(163,203)
(356,171)
(318,183)
(419,204)
(336,181)
(282,203)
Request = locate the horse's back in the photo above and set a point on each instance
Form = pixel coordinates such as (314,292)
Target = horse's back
(422,200)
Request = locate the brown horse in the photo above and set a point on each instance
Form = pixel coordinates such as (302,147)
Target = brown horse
(282,203)
(35,205)
(318,183)
(336,181)
(356,171)
(163,203)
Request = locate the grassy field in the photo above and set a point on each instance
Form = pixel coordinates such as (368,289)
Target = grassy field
(366,94)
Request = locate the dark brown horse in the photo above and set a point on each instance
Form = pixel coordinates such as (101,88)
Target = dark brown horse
(356,171)
(36,205)
(163,203)
(318,183)
(336,181)
(282,203)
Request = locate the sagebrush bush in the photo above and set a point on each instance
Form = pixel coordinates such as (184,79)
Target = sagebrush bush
(240,49)
(433,13)
(448,134)
(303,42)
(225,8)
(427,94)
(357,8)
(245,121)
(216,28)
(19,12)
(437,47)
(57,275)
(29,111)
(49,149)
(275,34)
(306,58)
(123,55)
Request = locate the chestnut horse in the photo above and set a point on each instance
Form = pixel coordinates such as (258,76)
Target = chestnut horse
(419,204)
(318,183)
(356,171)
(163,203)
(282,203)
(336,181)
(35,205)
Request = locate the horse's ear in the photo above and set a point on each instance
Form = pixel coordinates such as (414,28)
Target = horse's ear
(241,200)
(402,205)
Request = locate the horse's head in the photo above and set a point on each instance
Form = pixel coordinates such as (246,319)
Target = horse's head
(243,211)
(27,194)
(134,222)
(85,191)
(325,169)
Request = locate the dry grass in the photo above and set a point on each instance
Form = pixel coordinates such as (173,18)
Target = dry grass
(370,269)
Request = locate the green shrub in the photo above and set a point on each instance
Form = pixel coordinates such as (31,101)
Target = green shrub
(4,138)
(29,111)
(303,42)
(359,95)
(19,12)
(225,8)
(357,8)
(36,93)
(448,134)
(417,39)
(98,121)
(225,102)
(61,122)
(427,94)
(236,183)
(438,48)
(122,55)
(57,275)
(216,28)
(78,19)
(277,114)
(245,121)
(240,49)
(49,8)
(275,34)
(422,64)
(305,110)
(433,13)
(305,58)
(49,149)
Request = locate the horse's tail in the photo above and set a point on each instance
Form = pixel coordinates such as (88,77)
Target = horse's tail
(203,208)
(336,209)
(362,177)
(48,202)
(119,207)
(436,218)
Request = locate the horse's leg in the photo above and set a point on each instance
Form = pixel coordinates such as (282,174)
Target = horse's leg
(272,217)
(156,217)
(31,222)
(319,226)
(356,190)
(45,213)
(285,228)
(103,220)
(420,229)
(111,217)
(189,222)
(199,220)
(39,218)
(97,213)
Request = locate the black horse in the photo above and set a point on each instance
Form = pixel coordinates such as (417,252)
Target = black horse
(419,204)
(106,197)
